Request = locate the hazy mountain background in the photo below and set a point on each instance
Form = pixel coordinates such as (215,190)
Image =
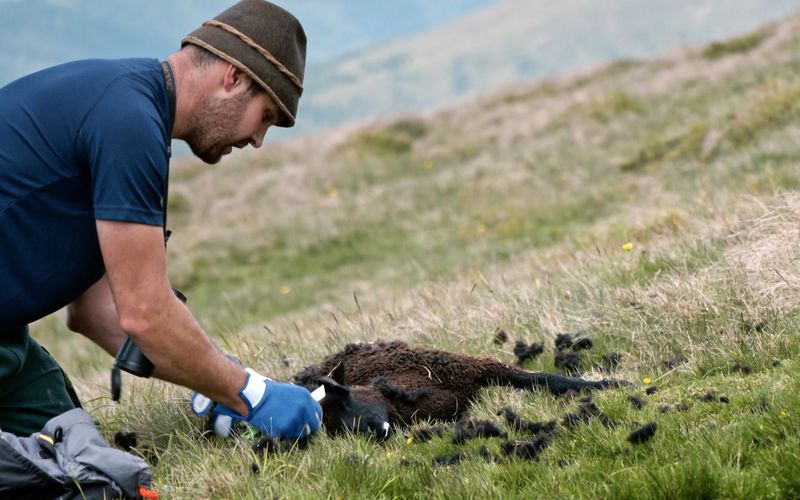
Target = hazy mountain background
(516,40)
(39,33)
(369,59)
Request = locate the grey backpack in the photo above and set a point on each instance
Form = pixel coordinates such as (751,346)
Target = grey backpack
(70,459)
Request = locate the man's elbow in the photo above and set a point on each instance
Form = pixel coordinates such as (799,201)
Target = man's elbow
(135,324)
(77,321)
(142,320)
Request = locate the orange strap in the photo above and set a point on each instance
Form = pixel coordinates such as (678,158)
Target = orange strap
(145,493)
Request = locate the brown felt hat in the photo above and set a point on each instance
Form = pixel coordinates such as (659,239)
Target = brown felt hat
(264,41)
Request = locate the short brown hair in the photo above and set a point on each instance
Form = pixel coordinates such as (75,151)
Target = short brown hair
(203,59)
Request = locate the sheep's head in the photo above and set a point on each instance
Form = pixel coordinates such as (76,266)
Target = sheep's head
(356,409)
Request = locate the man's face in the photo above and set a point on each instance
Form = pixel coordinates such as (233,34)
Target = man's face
(228,121)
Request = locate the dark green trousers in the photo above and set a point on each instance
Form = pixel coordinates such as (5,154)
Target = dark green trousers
(33,387)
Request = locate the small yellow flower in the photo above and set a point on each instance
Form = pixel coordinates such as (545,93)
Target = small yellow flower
(784,414)
(761,427)
(428,164)
(333,192)
(627,246)
(646,380)
(481,229)
(286,290)
(410,440)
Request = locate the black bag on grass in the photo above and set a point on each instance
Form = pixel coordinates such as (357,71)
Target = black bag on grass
(69,459)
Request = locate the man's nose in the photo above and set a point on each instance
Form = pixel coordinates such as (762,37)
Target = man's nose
(257,139)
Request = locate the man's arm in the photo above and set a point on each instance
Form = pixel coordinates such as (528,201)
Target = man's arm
(156,320)
(94,315)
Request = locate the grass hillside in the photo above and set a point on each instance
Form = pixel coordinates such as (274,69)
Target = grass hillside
(651,206)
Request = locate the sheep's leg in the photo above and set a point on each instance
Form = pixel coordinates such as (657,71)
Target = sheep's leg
(556,384)
(398,394)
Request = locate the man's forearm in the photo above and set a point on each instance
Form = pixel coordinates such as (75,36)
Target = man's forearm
(183,354)
(94,315)
(157,321)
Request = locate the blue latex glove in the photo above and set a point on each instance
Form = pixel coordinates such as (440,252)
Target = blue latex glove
(280,410)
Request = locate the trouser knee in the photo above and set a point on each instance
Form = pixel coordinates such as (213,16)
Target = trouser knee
(33,387)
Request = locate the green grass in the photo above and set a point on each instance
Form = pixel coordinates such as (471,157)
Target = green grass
(614,106)
(713,450)
(513,215)
(735,45)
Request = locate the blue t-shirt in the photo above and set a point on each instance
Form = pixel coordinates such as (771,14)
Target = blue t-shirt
(81,141)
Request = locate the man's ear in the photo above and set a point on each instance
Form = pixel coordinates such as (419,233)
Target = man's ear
(234,79)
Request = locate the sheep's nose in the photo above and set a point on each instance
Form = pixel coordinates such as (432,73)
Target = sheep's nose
(386,428)
(380,432)
(383,431)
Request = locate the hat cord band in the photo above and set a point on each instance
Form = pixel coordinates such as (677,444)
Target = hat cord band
(243,67)
(261,50)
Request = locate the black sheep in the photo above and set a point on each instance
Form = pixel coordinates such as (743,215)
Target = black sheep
(371,388)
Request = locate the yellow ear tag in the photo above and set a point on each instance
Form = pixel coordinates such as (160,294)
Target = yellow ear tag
(47,439)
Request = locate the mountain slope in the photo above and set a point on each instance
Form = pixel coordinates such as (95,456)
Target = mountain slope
(355,73)
(481,181)
(514,41)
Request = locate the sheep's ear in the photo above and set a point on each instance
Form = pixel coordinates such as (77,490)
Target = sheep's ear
(337,374)
(334,391)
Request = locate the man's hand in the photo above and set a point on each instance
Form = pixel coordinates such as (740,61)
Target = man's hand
(280,410)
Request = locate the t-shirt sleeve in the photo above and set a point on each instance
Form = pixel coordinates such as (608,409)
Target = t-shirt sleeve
(124,144)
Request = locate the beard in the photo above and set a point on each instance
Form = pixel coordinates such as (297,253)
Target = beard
(211,124)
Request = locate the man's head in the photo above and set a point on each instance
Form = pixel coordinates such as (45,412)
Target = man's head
(252,57)
(231,109)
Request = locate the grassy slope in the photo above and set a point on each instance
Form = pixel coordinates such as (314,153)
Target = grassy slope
(511,213)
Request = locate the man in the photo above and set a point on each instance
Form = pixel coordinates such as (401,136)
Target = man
(84,154)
